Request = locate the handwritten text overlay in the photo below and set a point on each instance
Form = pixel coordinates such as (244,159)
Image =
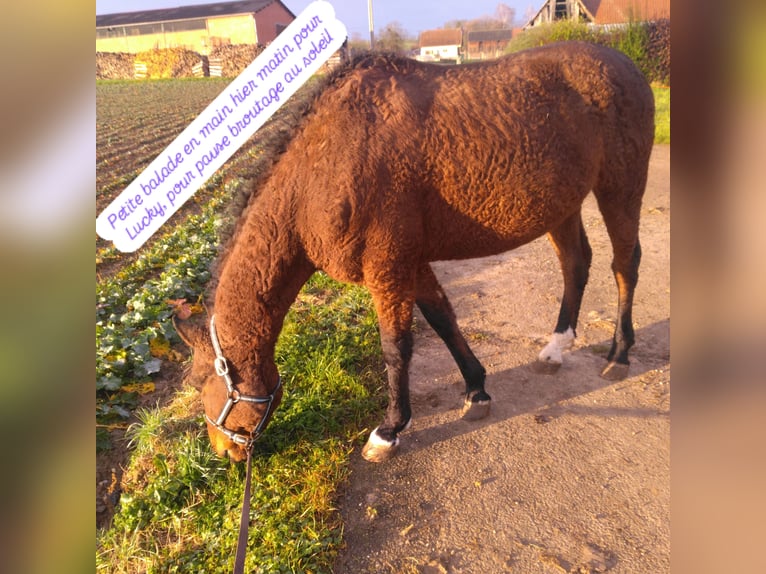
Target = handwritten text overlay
(222,128)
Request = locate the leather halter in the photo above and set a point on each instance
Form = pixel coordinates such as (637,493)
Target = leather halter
(233,396)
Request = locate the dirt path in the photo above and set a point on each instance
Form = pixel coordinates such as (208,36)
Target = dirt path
(569,473)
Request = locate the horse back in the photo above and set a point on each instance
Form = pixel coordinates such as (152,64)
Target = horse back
(465,161)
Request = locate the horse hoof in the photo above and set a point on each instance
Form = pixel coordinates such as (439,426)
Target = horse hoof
(378,449)
(552,356)
(546,367)
(615,371)
(475,410)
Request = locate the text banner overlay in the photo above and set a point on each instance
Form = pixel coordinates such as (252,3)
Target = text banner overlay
(222,128)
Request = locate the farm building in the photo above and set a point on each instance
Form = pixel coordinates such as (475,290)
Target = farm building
(438,45)
(487,44)
(198,28)
(600,12)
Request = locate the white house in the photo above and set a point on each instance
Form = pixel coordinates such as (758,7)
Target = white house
(436,45)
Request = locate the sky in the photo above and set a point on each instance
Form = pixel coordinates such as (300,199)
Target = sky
(414,15)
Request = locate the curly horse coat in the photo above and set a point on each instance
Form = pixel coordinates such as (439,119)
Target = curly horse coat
(398,164)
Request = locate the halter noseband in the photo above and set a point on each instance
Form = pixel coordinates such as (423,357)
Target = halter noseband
(233,396)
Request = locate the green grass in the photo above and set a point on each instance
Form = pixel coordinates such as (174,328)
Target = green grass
(180,504)
(661,114)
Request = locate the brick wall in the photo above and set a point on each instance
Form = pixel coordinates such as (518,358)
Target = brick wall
(268,19)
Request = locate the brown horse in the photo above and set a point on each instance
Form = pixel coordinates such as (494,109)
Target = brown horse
(398,164)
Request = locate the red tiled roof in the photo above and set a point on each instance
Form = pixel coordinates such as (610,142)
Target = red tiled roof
(618,11)
(450,37)
(621,11)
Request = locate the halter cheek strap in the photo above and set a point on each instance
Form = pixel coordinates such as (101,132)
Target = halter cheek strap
(233,396)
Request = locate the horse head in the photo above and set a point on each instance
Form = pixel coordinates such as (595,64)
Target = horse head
(237,406)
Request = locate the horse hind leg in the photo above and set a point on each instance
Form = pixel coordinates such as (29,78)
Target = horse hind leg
(621,215)
(625,268)
(574,252)
(436,308)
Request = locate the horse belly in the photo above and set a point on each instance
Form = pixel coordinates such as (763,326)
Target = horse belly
(474,240)
(487,224)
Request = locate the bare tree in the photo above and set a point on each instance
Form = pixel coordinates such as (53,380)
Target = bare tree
(392,38)
(504,18)
(452,24)
(505,14)
(482,23)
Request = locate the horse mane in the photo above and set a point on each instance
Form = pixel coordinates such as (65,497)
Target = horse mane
(274,139)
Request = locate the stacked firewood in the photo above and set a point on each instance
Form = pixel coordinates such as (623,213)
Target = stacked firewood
(166,63)
(229,60)
(114,66)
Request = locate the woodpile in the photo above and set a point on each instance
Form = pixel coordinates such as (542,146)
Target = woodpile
(114,66)
(167,63)
(229,60)
(226,61)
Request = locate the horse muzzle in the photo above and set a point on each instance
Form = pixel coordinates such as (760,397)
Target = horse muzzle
(225,447)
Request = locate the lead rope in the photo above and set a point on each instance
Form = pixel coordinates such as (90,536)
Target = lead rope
(222,369)
(244,519)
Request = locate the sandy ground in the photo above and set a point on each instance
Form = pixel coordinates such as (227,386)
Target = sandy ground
(570,472)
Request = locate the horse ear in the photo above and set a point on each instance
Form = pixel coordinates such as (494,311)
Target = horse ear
(190,332)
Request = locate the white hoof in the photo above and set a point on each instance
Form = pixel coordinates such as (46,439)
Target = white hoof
(551,357)
(379,449)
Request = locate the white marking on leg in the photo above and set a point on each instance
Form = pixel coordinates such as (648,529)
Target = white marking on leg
(377,440)
(560,342)
(379,449)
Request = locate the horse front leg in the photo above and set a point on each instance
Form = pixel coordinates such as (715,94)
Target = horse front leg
(436,308)
(395,320)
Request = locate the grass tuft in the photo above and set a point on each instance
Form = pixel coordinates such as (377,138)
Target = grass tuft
(661,114)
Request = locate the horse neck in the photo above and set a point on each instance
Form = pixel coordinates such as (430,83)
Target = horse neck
(261,278)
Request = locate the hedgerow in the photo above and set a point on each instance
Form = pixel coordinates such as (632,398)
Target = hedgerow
(646,43)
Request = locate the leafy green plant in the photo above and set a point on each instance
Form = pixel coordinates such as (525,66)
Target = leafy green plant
(632,41)
(132,309)
(566,30)
(559,31)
